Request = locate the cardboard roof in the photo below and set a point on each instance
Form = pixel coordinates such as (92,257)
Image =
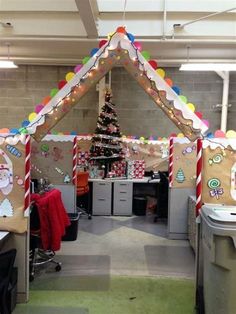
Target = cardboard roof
(119,50)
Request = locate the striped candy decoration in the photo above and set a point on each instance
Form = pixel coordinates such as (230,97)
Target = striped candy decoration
(199,177)
(27,172)
(171,154)
(74,160)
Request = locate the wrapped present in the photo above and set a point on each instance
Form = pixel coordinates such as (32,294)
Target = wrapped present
(83,158)
(136,169)
(119,168)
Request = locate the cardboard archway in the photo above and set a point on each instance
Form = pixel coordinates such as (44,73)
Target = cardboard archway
(119,50)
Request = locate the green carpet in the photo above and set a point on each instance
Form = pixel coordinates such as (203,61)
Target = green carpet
(127,295)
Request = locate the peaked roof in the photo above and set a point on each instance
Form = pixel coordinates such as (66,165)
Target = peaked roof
(119,50)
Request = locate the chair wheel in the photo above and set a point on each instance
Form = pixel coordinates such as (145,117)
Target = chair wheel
(89,217)
(58,267)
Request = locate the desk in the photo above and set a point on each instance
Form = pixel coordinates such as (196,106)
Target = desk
(20,242)
(115,196)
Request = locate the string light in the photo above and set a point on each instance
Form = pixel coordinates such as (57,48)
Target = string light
(95,65)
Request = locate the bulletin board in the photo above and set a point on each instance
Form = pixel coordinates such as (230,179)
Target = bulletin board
(184,163)
(154,153)
(52,158)
(14,184)
(219,171)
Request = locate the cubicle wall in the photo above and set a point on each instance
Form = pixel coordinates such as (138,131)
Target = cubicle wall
(183,159)
(55,159)
(14,203)
(219,171)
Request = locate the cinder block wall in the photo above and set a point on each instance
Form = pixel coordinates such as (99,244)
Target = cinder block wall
(23,88)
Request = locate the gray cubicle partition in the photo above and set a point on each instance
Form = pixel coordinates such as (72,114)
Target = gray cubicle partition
(178,212)
(68,194)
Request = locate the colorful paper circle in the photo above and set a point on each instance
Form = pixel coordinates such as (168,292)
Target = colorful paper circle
(146,55)
(199,114)
(46,100)
(219,134)
(78,67)
(231,134)
(169,81)
(53,92)
(69,76)
(138,45)
(191,106)
(85,59)
(93,52)
(176,89)
(61,84)
(4,130)
(121,29)
(161,72)
(206,122)
(25,123)
(38,108)
(153,64)
(102,43)
(32,116)
(131,37)
(183,98)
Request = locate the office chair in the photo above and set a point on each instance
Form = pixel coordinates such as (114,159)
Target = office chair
(38,257)
(82,192)
(162,200)
(7,260)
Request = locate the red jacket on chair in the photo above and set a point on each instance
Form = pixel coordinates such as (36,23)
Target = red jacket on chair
(53,219)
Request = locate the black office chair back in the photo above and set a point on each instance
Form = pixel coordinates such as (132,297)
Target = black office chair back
(7,260)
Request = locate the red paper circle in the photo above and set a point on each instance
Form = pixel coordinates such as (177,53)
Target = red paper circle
(61,84)
(153,64)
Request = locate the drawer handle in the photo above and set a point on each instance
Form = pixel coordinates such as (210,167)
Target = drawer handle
(123,200)
(101,199)
(123,192)
(102,183)
(123,184)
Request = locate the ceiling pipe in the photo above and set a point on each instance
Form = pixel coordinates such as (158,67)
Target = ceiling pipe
(202,18)
(164,20)
(138,38)
(225,97)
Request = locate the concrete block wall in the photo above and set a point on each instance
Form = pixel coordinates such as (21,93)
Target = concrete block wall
(21,89)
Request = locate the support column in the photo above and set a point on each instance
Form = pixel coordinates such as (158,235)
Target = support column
(225,96)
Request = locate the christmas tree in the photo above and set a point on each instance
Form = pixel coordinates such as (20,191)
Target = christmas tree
(106,146)
(180,177)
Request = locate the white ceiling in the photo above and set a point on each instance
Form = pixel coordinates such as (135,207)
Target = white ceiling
(64,31)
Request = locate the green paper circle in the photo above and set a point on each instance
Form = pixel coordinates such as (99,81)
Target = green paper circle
(85,60)
(146,55)
(53,92)
(183,98)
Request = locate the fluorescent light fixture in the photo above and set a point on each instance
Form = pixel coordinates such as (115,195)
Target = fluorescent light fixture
(7,64)
(208,67)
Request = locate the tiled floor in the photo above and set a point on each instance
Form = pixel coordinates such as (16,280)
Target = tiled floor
(129,245)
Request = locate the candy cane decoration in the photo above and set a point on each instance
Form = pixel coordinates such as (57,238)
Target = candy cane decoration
(74,160)
(171,153)
(27,172)
(199,177)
